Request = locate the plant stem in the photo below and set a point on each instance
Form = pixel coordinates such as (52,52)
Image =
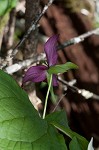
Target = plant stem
(46,100)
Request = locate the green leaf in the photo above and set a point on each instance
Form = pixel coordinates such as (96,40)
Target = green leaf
(21,128)
(74,144)
(82,141)
(58,117)
(59,120)
(6,6)
(62,68)
(50,141)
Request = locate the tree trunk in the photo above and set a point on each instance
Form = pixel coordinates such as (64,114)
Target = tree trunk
(30,46)
(32,10)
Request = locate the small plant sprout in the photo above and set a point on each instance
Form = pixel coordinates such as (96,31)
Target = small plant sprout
(49,70)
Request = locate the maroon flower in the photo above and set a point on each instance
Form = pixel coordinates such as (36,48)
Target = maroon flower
(39,73)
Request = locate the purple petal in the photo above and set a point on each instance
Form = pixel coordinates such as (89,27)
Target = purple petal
(50,49)
(54,80)
(35,74)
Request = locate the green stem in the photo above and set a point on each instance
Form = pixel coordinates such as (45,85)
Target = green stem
(46,100)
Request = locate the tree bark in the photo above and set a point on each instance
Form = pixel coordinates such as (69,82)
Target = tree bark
(32,10)
(30,45)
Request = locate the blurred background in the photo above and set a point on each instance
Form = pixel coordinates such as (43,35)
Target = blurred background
(69,19)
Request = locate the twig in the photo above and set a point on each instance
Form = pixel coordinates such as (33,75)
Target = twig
(78,39)
(72,41)
(85,93)
(25,63)
(59,102)
(68,43)
(32,27)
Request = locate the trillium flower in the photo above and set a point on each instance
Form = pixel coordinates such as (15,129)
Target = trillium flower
(39,73)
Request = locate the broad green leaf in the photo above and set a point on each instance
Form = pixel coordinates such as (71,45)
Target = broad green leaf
(6,6)
(58,117)
(50,141)
(59,120)
(82,141)
(19,121)
(21,128)
(62,68)
(74,144)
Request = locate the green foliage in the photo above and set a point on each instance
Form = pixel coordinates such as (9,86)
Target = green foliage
(62,68)
(82,141)
(21,128)
(59,120)
(58,117)
(6,6)
(74,144)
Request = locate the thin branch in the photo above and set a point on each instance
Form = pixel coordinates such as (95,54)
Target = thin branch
(78,39)
(61,46)
(24,64)
(32,27)
(72,41)
(59,102)
(68,43)
(85,93)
